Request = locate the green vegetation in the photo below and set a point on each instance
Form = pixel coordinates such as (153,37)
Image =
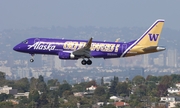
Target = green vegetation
(142,92)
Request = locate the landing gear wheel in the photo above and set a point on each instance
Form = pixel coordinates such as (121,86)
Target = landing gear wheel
(89,62)
(83,62)
(31,60)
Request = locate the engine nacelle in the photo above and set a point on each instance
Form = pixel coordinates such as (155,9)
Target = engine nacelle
(66,55)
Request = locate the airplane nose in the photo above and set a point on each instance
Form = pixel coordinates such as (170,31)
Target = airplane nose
(16,48)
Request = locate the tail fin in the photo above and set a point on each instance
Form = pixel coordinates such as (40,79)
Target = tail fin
(152,35)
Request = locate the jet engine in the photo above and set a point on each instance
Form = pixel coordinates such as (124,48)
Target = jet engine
(66,55)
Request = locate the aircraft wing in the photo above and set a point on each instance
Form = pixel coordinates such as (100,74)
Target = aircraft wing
(85,51)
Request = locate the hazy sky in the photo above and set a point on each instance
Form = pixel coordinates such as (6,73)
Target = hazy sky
(103,13)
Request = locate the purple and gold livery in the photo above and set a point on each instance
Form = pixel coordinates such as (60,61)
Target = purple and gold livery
(75,49)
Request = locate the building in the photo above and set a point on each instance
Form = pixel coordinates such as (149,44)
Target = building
(171,58)
(57,63)
(116,99)
(53,88)
(22,72)
(92,88)
(161,60)
(47,61)
(120,104)
(26,94)
(178,85)
(14,101)
(173,90)
(7,70)
(146,60)
(7,90)
(79,94)
(171,100)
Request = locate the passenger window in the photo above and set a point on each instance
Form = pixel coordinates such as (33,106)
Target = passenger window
(26,42)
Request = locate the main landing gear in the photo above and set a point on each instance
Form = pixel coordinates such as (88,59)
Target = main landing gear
(32,58)
(84,62)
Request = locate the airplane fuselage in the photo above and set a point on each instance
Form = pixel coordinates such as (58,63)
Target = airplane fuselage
(54,46)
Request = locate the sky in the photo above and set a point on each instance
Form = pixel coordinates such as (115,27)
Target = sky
(23,14)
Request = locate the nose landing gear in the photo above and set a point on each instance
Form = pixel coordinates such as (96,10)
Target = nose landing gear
(32,58)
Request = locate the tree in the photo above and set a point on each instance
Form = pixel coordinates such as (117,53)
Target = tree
(122,88)
(102,81)
(138,80)
(175,78)
(22,85)
(91,83)
(134,100)
(141,91)
(109,106)
(56,101)
(99,91)
(67,93)
(63,88)
(33,83)
(23,100)
(151,88)
(151,78)
(5,104)
(162,90)
(166,80)
(114,83)
(41,85)
(3,97)
(41,78)
(52,82)
(43,99)
(177,105)
(2,75)
(34,95)
(78,88)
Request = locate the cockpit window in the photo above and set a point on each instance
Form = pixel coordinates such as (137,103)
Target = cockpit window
(26,42)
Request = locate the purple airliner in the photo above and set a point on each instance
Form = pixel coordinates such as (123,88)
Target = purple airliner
(76,49)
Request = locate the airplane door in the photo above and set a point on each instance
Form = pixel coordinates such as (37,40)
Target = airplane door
(124,47)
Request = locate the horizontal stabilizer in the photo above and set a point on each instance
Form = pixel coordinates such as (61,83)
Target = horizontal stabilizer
(151,48)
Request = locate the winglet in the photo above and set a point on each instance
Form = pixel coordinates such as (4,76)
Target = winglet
(117,40)
(88,44)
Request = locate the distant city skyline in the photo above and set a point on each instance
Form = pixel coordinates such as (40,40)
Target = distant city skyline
(22,14)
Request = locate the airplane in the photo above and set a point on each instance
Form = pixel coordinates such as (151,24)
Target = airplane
(82,49)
